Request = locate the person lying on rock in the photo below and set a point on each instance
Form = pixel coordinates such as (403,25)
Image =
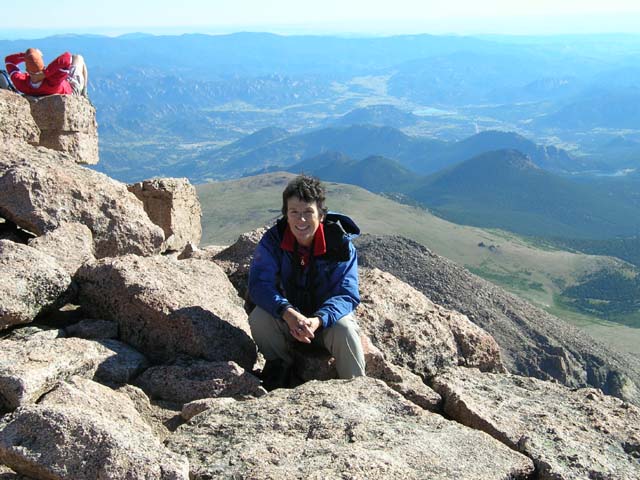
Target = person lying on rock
(303,281)
(67,74)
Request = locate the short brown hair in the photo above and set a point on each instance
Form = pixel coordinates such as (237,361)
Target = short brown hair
(308,189)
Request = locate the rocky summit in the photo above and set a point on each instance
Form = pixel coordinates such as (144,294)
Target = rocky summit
(125,352)
(532,342)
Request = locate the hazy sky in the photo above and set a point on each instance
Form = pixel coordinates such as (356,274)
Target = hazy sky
(326,16)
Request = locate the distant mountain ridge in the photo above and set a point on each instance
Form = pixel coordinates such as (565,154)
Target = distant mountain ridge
(576,90)
(498,189)
(602,107)
(380,115)
(375,173)
(421,155)
(548,157)
(505,189)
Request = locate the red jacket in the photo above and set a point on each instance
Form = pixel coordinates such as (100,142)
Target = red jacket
(55,81)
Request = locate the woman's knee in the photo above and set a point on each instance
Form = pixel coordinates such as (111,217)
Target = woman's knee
(77,60)
(344,331)
(347,326)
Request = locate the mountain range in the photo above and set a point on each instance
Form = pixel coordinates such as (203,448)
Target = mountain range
(272,149)
(505,189)
(576,92)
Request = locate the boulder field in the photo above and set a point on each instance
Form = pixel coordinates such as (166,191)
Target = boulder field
(125,351)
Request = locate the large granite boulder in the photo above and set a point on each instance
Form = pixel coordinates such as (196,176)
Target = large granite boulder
(165,307)
(189,380)
(31,282)
(568,434)
(173,205)
(532,342)
(68,124)
(31,367)
(400,379)
(17,124)
(41,189)
(413,332)
(71,244)
(120,363)
(339,429)
(312,362)
(85,431)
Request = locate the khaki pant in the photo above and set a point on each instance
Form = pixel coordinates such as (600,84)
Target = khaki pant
(78,75)
(342,340)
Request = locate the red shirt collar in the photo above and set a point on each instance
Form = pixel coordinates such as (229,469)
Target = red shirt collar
(319,243)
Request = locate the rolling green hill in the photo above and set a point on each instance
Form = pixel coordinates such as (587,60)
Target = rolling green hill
(504,189)
(538,274)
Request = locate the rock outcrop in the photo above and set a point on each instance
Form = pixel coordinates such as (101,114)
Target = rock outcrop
(400,379)
(67,124)
(97,434)
(17,123)
(71,244)
(166,307)
(173,205)
(31,367)
(31,282)
(414,332)
(336,429)
(532,342)
(315,363)
(189,380)
(41,189)
(568,434)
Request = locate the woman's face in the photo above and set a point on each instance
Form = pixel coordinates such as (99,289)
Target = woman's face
(303,219)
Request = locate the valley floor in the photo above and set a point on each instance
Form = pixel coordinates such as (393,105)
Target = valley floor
(619,337)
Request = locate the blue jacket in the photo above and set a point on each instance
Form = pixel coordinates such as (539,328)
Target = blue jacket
(327,289)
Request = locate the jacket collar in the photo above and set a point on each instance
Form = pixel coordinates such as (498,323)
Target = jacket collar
(319,242)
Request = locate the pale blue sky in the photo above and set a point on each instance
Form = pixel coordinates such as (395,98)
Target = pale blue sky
(39,17)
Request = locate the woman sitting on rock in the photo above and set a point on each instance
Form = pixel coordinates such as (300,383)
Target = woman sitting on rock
(304,282)
(67,74)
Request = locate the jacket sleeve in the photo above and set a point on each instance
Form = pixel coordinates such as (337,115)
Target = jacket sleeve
(11,62)
(344,294)
(58,69)
(263,276)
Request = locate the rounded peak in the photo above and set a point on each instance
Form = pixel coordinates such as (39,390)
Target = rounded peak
(506,158)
